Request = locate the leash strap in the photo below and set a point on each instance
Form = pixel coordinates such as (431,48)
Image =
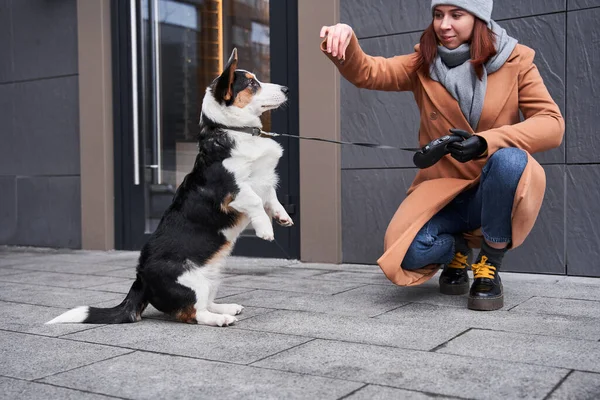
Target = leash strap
(371,145)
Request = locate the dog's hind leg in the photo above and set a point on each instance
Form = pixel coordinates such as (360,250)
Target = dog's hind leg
(203,281)
(249,203)
(229,309)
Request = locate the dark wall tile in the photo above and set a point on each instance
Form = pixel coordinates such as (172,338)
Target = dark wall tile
(385,17)
(388,17)
(8,208)
(546,35)
(369,200)
(583,208)
(45,140)
(583,86)
(48,212)
(9,159)
(578,4)
(544,249)
(44,38)
(390,118)
(6,42)
(504,9)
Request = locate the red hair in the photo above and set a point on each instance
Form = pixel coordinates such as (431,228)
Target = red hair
(482,43)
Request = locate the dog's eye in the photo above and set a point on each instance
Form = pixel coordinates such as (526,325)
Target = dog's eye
(253,83)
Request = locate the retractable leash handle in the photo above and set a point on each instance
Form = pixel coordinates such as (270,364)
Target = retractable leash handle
(434,151)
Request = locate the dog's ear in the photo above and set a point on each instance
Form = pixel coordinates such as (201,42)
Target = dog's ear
(224,86)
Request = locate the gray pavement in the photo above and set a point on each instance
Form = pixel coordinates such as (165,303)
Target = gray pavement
(313,331)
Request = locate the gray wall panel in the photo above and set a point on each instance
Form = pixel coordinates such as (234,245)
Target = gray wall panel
(8,207)
(546,35)
(385,17)
(46,128)
(370,198)
(583,231)
(9,160)
(48,212)
(390,118)
(578,4)
(583,88)
(504,9)
(44,34)
(40,200)
(6,43)
(544,249)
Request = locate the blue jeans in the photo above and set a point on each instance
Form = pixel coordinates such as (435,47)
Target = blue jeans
(487,206)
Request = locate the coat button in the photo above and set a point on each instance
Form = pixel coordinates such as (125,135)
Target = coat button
(433,115)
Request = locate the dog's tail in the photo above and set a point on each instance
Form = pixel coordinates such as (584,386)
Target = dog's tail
(130,310)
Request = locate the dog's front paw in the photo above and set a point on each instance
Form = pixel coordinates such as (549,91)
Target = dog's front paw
(226,320)
(265,233)
(229,309)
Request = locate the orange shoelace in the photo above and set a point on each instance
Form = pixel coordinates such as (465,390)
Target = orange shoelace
(483,270)
(459,261)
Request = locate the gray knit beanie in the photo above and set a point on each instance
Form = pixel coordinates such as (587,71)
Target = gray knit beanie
(482,9)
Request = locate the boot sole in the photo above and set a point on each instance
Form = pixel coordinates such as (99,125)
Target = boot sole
(492,304)
(454,290)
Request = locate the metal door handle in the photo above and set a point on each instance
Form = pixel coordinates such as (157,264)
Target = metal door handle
(157,92)
(134,92)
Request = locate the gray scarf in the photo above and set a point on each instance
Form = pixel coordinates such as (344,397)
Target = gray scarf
(452,68)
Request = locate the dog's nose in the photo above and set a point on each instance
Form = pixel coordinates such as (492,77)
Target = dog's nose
(285,90)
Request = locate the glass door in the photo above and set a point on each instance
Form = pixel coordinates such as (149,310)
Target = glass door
(166,53)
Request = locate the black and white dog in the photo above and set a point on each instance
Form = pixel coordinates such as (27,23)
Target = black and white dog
(231,185)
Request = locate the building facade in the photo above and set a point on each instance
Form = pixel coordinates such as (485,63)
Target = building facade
(99,102)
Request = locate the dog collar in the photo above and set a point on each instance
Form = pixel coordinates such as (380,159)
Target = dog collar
(251,131)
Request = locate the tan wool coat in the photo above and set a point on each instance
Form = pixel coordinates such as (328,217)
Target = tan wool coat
(517,85)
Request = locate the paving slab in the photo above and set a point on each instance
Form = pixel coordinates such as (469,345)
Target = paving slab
(358,304)
(27,318)
(580,386)
(342,267)
(199,341)
(289,284)
(65,267)
(128,272)
(420,371)
(360,277)
(171,377)
(246,264)
(554,306)
(559,290)
(375,392)
(351,329)
(23,390)
(432,316)
(59,279)
(52,296)
(425,295)
(11,271)
(32,357)
(122,286)
(550,351)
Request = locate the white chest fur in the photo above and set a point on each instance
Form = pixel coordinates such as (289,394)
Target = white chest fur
(253,161)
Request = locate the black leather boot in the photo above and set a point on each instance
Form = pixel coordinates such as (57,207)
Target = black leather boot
(487,293)
(454,279)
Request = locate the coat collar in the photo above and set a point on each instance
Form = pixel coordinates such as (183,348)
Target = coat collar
(499,87)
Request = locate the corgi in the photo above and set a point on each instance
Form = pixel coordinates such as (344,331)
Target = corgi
(231,185)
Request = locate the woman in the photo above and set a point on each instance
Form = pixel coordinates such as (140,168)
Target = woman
(469,78)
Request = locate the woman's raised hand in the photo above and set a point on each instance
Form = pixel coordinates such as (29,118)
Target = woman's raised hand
(338,39)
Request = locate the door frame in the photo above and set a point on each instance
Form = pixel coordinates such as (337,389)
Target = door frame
(129,216)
